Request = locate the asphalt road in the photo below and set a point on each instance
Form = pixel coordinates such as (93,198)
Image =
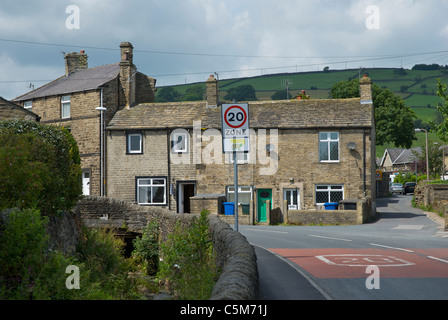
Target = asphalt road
(408,249)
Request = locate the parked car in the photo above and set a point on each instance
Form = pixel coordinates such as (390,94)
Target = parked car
(396,188)
(409,187)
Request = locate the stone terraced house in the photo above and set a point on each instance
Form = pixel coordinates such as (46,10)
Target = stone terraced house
(72,99)
(303,154)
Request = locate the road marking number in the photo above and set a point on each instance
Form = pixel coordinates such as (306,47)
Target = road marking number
(363,260)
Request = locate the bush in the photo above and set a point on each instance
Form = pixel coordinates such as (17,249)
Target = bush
(40,167)
(27,269)
(188,262)
(146,248)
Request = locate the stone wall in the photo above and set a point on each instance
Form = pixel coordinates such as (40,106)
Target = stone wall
(316,217)
(359,215)
(235,256)
(64,231)
(434,196)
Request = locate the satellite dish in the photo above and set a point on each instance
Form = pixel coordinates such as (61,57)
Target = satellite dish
(351,146)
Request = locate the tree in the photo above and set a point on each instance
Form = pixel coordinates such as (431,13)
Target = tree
(394,121)
(435,156)
(195,93)
(281,95)
(40,167)
(167,94)
(441,129)
(241,93)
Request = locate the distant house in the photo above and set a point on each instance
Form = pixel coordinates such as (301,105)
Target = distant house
(72,99)
(397,160)
(11,111)
(304,153)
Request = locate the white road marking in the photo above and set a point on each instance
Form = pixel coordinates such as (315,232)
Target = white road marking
(408,227)
(380,245)
(363,260)
(339,239)
(264,230)
(438,259)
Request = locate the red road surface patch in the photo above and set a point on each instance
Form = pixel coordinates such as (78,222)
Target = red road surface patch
(352,263)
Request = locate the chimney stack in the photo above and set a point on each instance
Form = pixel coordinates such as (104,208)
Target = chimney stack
(127,74)
(365,90)
(212,92)
(75,61)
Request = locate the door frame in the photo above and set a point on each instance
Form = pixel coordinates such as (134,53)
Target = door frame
(259,201)
(298,196)
(89,171)
(180,191)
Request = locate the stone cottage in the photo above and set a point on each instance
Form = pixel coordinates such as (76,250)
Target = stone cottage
(72,101)
(12,111)
(303,154)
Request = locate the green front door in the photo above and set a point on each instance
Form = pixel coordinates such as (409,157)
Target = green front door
(262,196)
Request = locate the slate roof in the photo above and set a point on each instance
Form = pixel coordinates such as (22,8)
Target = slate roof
(400,155)
(81,80)
(322,113)
(9,105)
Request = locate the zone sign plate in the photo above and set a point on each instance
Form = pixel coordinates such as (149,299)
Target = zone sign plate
(235,120)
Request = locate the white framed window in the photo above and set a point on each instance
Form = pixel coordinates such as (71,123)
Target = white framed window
(329,146)
(179,141)
(241,157)
(329,193)
(65,107)
(134,143)
(244,194)
(151,190)
(28,105)
(292,195)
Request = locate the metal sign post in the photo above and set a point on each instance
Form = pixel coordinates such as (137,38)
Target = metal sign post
(235,138)
(235,175)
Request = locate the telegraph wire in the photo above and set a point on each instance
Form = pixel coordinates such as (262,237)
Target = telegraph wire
(341,59)
(370,57)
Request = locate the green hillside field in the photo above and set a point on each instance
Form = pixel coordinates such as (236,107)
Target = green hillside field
(417,87)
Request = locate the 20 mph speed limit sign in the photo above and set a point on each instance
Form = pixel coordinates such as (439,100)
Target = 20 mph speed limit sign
(235,127)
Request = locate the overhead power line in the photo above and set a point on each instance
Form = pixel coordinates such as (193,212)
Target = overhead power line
(371,57)
(341,59)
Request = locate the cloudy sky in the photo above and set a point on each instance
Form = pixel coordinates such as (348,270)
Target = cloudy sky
(183,41)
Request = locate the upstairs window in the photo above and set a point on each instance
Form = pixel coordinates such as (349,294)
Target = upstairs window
(179,141)
(134,143)
(28,105)
(328,146)
(65,107)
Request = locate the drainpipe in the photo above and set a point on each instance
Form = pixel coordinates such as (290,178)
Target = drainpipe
(168,150)
(101,109)
(364,160)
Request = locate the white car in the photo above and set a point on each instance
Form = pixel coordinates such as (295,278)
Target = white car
(396,188)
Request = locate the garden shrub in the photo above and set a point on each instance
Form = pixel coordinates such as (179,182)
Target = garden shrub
(39,167)
(146,248)
(28,270)
(188,261)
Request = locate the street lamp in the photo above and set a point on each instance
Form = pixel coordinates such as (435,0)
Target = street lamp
(427,158)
